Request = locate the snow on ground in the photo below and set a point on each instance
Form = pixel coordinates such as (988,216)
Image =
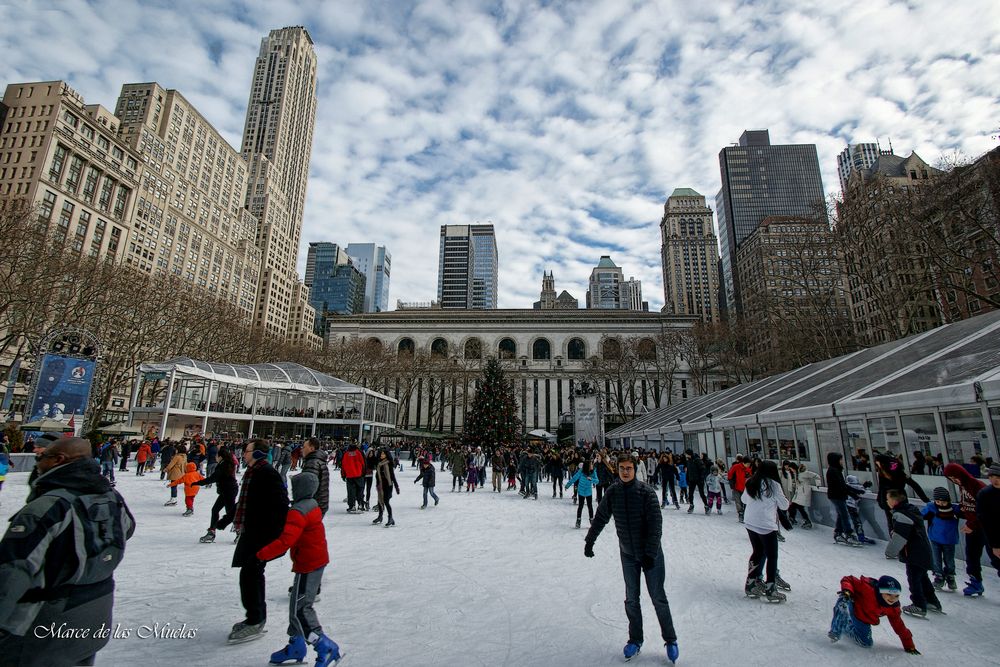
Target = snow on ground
(492,579)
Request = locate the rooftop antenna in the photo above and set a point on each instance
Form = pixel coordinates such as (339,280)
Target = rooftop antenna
(890,145)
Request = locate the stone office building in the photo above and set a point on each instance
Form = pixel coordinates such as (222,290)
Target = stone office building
(546,353)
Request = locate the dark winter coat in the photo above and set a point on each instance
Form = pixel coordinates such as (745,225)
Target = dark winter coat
(166,453)
(284,458)
(40,564)
(868,608)
(988,512)
(428,475)
(696,470)
(224,478)
(909,537)
(897,479)
(605,476)
(264,514)
(666,471)
(316,463)
(638,521)
(836,486)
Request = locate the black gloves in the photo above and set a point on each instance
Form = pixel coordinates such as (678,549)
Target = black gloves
(588,549)
(647,563)
(913,651)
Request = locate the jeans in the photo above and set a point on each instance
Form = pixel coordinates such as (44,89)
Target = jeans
(430,490)
(738,499)
(557,484)
(975,542)
(531,484)
(108,470)
(765,551)
(846,623)
(631,569)
(673,491)
(843,525)
(943,559)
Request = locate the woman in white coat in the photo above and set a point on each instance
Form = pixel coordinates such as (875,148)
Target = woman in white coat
(802,498)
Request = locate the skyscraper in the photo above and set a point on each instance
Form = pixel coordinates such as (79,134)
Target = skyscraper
(858,157)
(760,180)
(376,263)
(690,256)
(467,267)
(277,145)
(605,287)
(335,285)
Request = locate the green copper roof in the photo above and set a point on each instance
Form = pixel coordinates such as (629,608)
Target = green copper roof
(684,192)
(606,263)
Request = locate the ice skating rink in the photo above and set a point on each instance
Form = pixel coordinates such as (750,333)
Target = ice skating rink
(492,579)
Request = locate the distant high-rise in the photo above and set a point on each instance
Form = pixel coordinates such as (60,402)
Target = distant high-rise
(467,267)
(277,145)
(605,287)
(376,263)
(690,255)
(335,285)
(760,180)
(858,157)
(632,295)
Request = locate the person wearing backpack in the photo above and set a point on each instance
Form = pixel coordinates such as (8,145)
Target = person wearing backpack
(45,584)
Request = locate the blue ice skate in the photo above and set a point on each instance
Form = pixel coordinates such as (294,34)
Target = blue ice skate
(631,650)
(327,652)
(673,652)
(296,650)
(974,589)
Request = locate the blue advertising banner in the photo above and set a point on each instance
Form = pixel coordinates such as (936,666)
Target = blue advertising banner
(63,388)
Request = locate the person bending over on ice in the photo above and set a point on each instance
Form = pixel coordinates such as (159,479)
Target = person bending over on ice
(639,525)
(861,603)
(305,536)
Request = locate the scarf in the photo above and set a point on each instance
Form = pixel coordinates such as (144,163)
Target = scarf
(242,502)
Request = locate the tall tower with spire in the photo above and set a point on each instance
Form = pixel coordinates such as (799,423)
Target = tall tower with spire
(277,146)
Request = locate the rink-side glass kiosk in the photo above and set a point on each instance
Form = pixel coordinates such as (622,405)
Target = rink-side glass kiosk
(931,398)
(184,397)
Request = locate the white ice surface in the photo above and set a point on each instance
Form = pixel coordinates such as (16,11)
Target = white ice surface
(492,579)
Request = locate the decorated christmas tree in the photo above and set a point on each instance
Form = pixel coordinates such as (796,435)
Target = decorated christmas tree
(492,419)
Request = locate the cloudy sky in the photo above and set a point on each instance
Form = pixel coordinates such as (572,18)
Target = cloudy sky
(565,124)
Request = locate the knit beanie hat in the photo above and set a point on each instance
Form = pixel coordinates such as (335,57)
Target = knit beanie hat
(887,584)
(941,493)
(993,470)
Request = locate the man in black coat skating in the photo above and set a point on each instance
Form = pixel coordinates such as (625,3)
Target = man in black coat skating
(260,518)
(639,525)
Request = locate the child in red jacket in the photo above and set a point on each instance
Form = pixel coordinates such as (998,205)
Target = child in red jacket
(862,602)
(191,489)
(305,536)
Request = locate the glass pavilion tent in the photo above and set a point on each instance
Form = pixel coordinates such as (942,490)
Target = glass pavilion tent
(931,398)
(184,397)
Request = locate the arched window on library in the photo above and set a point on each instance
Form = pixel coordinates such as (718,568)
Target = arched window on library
(576,349)
(611,349)
(507,349)
(541,349)
(405,347)
(439,348)
(647,350)
(473,349)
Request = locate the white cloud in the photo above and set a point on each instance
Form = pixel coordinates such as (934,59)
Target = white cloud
(564,124)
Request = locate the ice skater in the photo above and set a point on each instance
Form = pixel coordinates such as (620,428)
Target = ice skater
(713,483)
(385,482)
(224,477)
(191,488)
(639,525)
(427,474)
(305,536)
(585,480)
(763,499)
(942,528)
(862,601)
(908,541)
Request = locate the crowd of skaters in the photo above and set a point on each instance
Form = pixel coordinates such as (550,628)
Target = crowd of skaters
(769,498)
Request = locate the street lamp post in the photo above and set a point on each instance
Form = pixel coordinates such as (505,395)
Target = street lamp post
(715,443)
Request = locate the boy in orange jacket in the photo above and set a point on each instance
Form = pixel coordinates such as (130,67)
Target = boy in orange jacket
(305,536)
(191,489)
